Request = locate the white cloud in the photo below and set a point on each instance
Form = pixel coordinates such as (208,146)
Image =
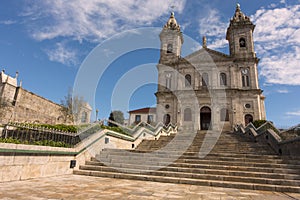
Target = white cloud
(214,28)
(8,22)
(283,91)
(296,113)
(62,54)
(282,1)
(277,37)
(94,20)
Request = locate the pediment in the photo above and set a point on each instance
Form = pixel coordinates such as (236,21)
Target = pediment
(207,55)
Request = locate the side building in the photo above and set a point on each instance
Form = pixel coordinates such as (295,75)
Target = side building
(20,105)
(147,115)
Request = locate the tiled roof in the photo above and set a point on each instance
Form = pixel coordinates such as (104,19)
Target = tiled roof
(143,110)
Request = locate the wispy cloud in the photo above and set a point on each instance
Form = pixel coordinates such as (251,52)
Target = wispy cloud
(8,22)
(62,54)
(276,36)
(283,91)
(296,113)
(94,20)
(214,27)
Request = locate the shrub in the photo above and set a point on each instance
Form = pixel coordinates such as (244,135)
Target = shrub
(258,123)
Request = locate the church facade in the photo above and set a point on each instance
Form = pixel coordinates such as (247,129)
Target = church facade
(209,89)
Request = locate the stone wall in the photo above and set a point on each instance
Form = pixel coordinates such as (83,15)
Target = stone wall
(20,105)
(29,107)
(21,162)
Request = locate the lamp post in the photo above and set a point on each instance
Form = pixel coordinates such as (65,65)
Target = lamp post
(97,114)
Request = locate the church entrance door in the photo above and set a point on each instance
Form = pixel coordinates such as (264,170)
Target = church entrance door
(205,118)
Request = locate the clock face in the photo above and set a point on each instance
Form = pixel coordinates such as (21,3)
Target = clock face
(245,71)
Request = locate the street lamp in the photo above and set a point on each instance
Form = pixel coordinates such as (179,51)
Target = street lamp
(97,114)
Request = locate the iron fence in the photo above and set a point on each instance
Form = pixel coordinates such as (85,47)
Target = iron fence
(28,134)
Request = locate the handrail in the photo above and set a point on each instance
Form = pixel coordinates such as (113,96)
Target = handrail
(268,133)
(138,126)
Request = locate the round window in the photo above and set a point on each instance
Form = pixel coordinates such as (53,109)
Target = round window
(167,106)
(247,105)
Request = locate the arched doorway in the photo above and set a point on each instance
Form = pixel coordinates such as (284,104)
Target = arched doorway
(205,118)
(167,119)
(248,119)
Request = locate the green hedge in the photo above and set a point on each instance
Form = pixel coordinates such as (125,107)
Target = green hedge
(116,129)
(258,123)
(41,143)
(60,127)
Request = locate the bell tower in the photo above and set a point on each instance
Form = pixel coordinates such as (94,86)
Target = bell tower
(240,35)
(171,41)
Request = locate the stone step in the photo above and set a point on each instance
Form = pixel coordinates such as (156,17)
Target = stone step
(249,150)
(195,158)
(193,174)
(189,151)
(191,154)
(216,166)
(208,165)
(138,157)
(204,182)
(199,162)
(240,163)
(216,146)
(195,164)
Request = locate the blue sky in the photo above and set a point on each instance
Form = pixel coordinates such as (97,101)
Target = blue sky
(47,42)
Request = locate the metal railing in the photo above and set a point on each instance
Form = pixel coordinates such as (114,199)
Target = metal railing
(34,134)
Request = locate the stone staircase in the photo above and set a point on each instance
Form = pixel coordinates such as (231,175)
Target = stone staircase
(233,162)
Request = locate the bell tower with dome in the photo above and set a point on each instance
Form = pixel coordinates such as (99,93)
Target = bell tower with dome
(240,35)
(171,41)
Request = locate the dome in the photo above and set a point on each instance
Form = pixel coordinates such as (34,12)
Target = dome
(172,23)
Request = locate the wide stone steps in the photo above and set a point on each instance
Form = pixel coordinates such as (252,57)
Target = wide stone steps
(154,163)
(200,174)
(290,164)
(197,168)
(234,162)
(193,181)
(133,158)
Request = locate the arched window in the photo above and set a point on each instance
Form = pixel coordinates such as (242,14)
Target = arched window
(223,79)
(248,119)
(169,48)
(205,80)
(84,117)
(242,42)
(187,114)
(188,80)
(167,119)
(224,115)
(245,80)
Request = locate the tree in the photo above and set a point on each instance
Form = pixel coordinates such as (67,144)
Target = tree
(119,116)
(116,116)
(111,118)
(72,106)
